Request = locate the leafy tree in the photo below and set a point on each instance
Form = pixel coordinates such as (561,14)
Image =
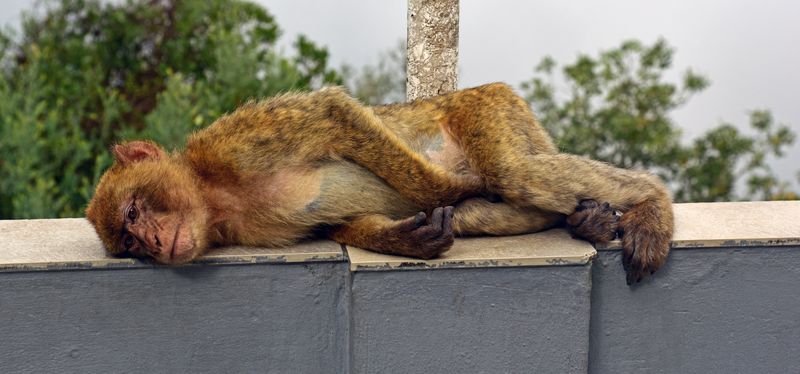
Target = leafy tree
(617,108)
(86,73)
(382,83)
(710,167)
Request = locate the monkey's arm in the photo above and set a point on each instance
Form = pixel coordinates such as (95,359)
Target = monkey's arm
(413,236)
(359,135)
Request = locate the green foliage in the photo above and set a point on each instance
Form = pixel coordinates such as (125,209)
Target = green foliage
(382,83)
(86,74)
(618,108)
(40,154)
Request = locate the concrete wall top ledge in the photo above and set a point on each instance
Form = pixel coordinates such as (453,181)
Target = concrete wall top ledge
(548,248)
(740,224)
(62,244)
(71,243)
(59,244)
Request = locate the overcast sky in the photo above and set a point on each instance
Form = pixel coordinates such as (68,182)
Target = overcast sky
(749,49)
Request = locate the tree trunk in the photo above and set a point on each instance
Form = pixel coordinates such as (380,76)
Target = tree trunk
(432,48)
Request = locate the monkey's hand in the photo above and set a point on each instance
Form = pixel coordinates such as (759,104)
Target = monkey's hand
(645,235)
(597,223)
(421,237)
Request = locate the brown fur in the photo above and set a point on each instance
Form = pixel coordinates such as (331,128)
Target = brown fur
(275,171)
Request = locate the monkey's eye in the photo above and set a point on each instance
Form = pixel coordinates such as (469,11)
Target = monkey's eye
(128,242)
(133,213)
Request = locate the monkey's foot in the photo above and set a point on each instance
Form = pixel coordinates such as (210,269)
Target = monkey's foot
(595,222)
(421,237)
(645,241)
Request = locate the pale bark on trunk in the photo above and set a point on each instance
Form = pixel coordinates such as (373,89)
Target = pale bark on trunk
(432,48)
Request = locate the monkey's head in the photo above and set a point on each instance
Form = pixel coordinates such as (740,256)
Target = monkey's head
(149,204)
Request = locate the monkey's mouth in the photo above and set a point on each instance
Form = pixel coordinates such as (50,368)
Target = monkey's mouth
(183,246)
(174,243)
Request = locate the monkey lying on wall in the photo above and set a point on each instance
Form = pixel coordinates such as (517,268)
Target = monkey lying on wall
(400,179)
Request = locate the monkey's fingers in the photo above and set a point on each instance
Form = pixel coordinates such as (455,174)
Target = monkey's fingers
(433,230)
(595,222)
(447,225)
(412,223)
(436,218)
(441,226)
(436,237)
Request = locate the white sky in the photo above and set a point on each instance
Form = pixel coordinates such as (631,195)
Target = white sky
(749,49)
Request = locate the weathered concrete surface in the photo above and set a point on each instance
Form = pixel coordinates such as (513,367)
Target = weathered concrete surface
(279,318)
(485,320)
(547,248)
(58,244)
(741,224)
(721,310)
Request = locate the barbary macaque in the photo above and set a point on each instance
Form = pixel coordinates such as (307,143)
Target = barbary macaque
(400,179)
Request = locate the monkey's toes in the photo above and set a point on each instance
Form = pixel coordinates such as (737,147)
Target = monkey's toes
(646,234)
(586,204)
(643,252)
(594,222)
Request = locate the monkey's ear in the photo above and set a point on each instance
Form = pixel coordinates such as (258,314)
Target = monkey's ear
(136,151)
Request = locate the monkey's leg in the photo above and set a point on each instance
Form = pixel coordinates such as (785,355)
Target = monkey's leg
(503,141)
(479,216)
(558,182)
(413,236)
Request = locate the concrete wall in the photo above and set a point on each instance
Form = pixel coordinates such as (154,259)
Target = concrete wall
(508,320)
(489,305)
(277,318)
(727,301)
(720,310)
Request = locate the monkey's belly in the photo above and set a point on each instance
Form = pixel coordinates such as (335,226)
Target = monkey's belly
(292,203)
(444,151)
(348,190)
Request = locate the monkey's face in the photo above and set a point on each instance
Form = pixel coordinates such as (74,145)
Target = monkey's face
(149,205)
